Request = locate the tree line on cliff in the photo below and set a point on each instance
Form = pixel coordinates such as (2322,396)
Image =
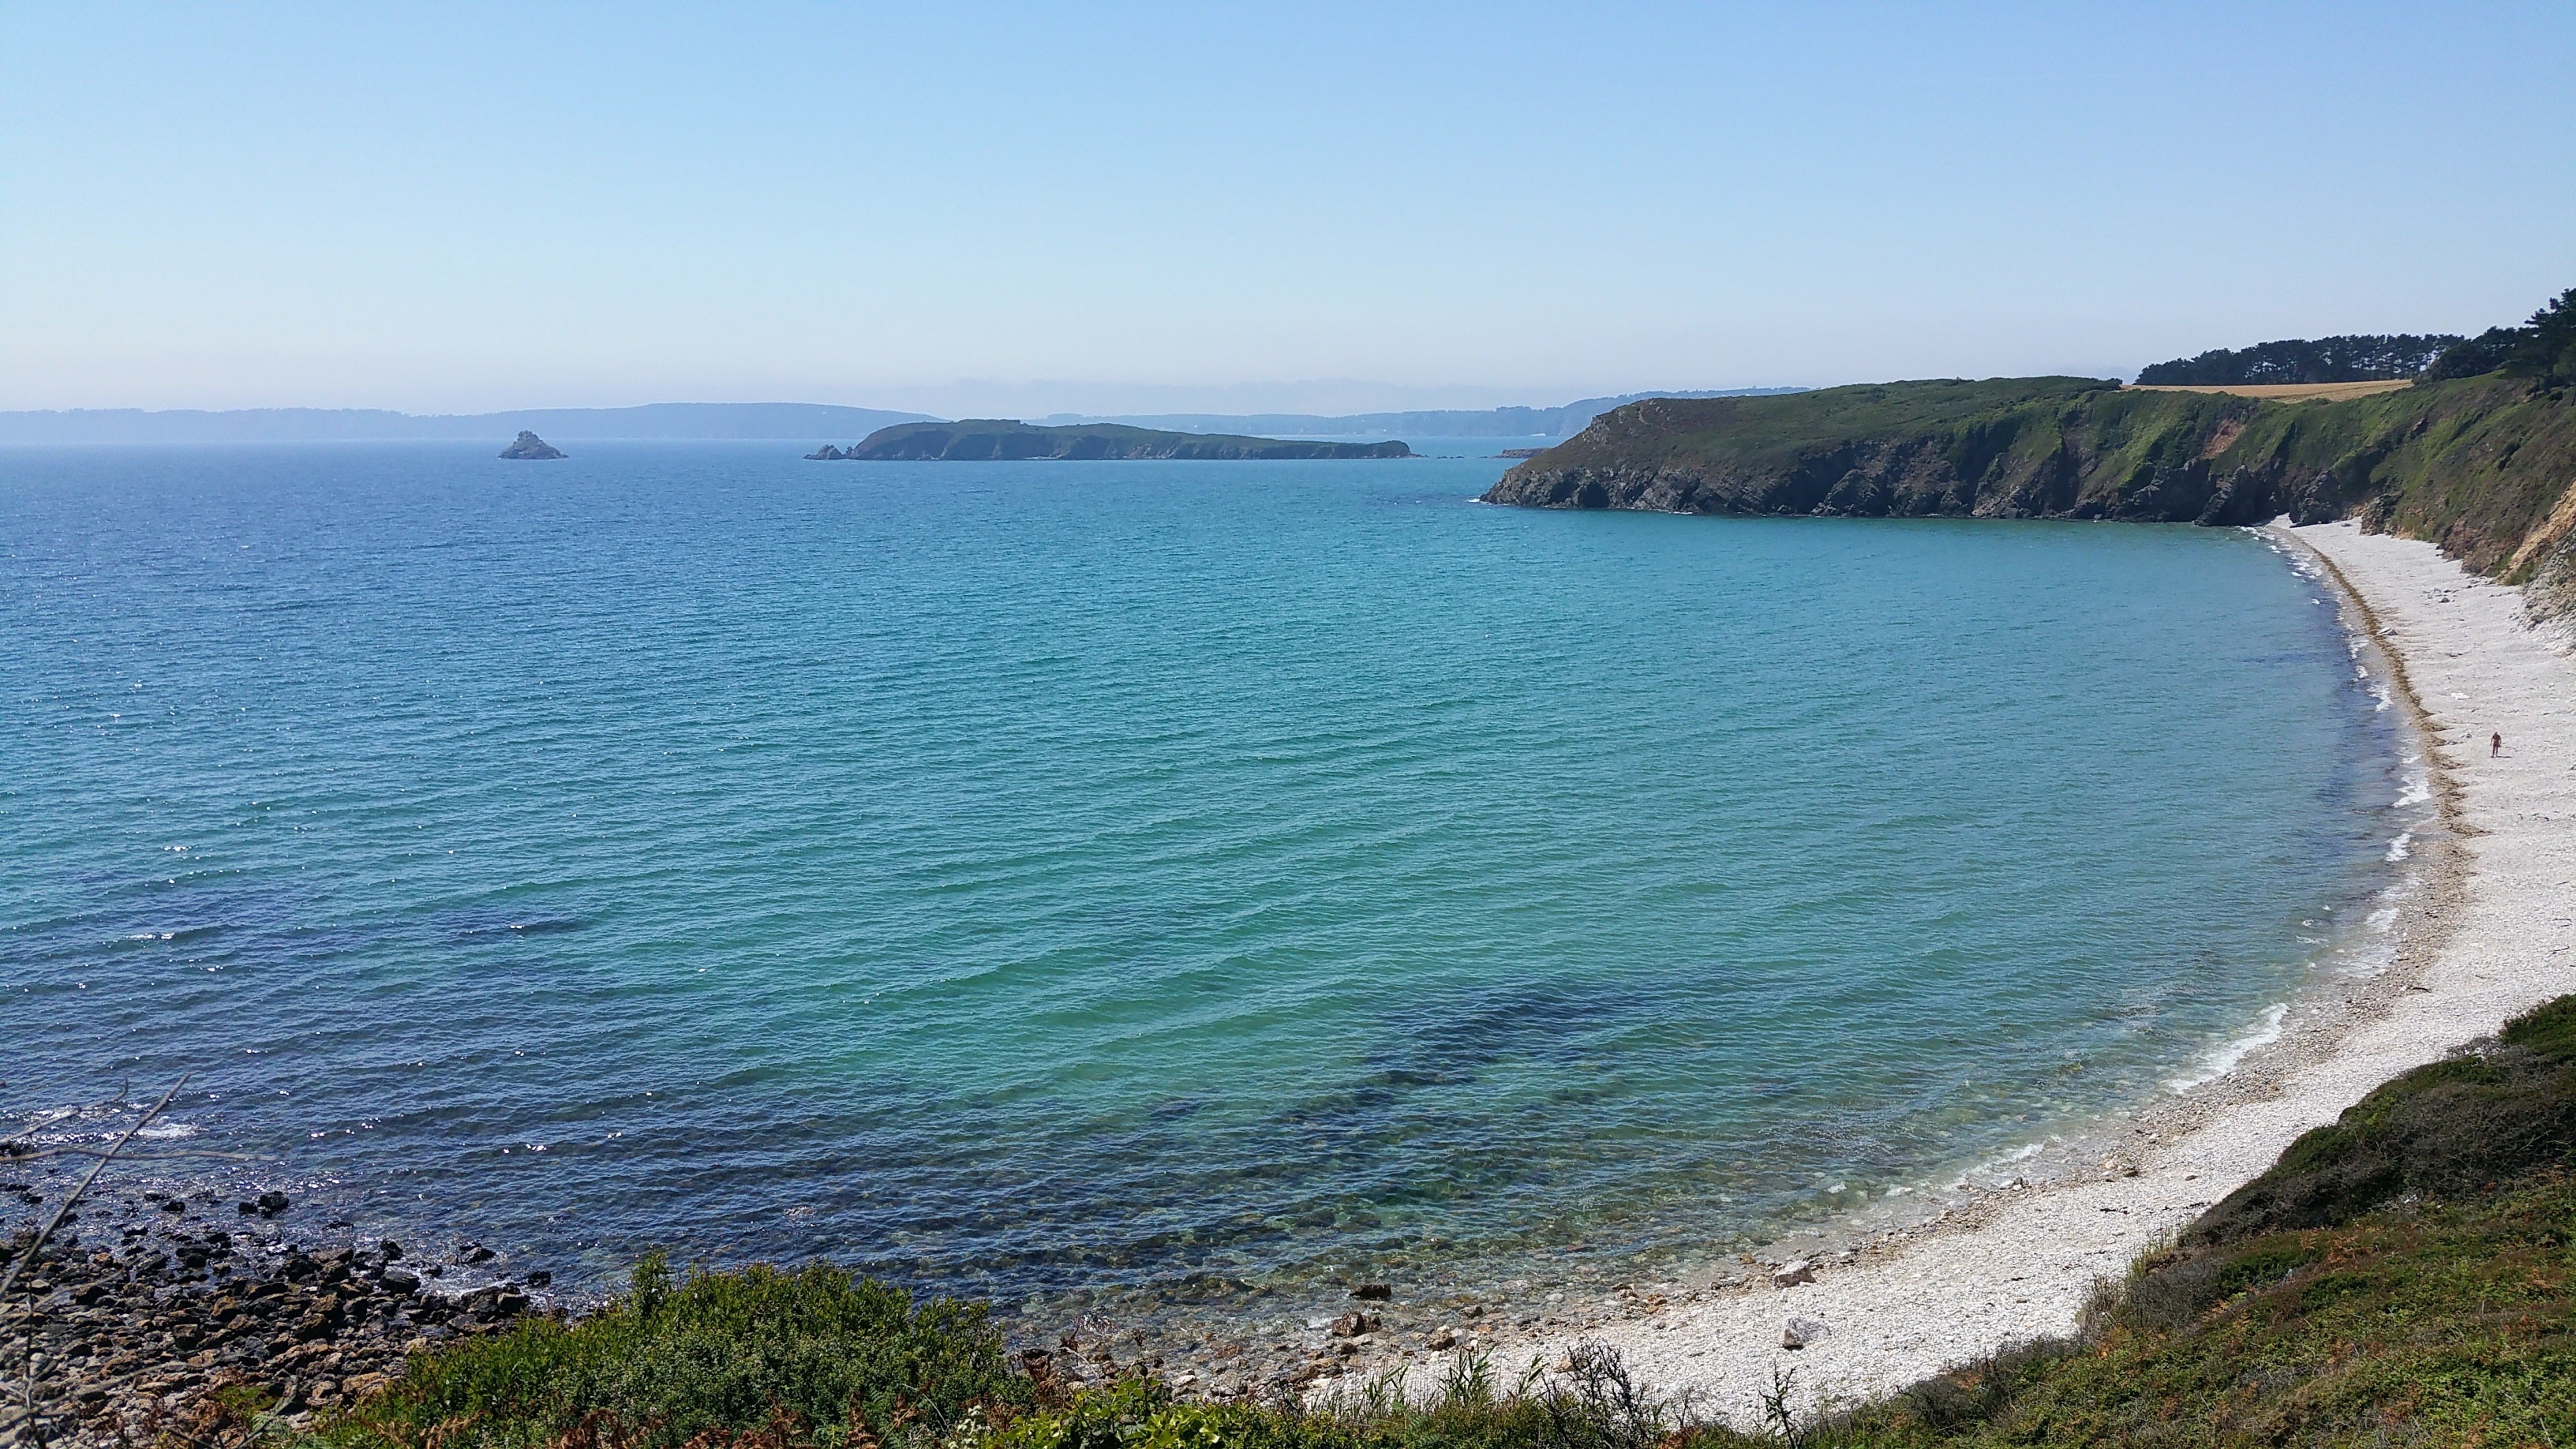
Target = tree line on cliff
(2361,358)
(2543,348)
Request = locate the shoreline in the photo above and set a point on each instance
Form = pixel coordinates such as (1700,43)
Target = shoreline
(2474,943)
(1944,1274)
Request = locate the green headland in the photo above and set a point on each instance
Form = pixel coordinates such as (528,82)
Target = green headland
(2474,456)
(984,440)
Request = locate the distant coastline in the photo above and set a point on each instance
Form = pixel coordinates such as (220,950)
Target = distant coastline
(801,422)
(709,421)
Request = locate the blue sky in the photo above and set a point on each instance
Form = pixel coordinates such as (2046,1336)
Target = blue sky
(1024,210)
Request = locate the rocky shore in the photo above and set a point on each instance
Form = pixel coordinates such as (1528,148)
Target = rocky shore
(150,1313)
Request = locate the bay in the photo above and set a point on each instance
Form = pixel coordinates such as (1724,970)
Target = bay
(1047,878)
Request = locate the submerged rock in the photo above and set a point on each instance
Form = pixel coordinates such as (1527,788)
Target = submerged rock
(531,447)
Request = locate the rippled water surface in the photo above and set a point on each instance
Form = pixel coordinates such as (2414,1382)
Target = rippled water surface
(1039,875)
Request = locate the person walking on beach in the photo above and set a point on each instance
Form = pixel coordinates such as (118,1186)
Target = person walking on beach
(2495,744)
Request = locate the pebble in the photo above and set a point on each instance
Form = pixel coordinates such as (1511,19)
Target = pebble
(135,1327)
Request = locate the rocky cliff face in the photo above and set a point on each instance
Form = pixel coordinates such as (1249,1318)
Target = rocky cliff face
(2478,466)
(2022,448)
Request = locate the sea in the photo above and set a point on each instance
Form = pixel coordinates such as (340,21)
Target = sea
(1110,885)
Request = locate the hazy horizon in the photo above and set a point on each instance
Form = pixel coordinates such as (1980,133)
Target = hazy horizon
(1324,398)
(987,211)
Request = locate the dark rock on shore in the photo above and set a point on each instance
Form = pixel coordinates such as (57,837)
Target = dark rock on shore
(140,1316)
(530,447)
(825,454)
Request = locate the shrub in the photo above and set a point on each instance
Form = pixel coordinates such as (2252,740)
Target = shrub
(2493,1114)
(816,1356)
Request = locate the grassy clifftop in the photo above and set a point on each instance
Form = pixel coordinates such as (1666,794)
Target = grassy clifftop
(2477,465)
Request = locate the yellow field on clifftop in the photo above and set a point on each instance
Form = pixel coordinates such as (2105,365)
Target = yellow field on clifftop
(2285,391)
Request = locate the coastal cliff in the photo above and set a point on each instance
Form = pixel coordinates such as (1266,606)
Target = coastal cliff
(2478,466)
(990,440)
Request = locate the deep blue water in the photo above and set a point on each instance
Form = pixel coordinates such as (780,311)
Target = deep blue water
(1027,876)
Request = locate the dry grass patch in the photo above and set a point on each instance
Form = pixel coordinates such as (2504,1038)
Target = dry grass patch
(2283,391)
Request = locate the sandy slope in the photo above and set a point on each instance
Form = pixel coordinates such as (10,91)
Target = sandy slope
(2488,935)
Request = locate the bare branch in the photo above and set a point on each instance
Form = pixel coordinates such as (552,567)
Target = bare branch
(173,1155)
(18,1268)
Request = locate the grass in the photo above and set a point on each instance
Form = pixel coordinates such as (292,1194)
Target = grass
(2282,391)
(2403,1276)
(2474,465)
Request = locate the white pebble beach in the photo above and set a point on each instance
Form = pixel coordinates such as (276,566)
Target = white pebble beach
(2485,935)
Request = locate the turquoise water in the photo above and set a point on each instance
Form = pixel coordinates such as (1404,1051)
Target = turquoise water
(1027,877)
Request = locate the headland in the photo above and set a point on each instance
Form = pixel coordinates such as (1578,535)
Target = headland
(984,440)
(2474,465)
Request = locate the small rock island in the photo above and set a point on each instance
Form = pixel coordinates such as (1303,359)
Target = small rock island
(530,447)
(993,439)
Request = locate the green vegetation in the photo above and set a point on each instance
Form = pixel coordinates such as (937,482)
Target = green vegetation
(2477,456)
(2405,1276)
(2475,465)
(812,1357)
(2325,359)
(2542,349)
(989,440)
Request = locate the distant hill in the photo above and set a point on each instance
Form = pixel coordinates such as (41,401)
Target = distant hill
(1512,422)
(990,439)
(801,421)
(797,421)
(2323,359)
